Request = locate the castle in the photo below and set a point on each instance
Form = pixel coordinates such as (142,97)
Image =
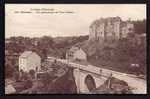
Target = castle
(110,28)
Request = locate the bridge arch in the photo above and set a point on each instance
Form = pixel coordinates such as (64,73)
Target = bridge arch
(83,80)
(90,82)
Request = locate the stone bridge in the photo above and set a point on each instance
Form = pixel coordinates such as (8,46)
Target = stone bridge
(81,77)
(100,75)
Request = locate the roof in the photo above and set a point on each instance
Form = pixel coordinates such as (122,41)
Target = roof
(74,48)
(26,54)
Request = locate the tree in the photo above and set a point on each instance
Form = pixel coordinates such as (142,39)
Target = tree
(28,84)
(24,76)
(44,45)
(140,26)
(16,75)
(32,73)
(8,71)
(47,78)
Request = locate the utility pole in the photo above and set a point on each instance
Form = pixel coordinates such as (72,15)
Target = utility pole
(109,81)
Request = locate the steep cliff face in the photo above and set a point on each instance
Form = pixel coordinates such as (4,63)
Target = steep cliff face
(117,55)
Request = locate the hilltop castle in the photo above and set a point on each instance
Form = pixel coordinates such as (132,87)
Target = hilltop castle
(110,28)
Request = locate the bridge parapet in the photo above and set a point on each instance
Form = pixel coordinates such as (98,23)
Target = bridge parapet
(132,80)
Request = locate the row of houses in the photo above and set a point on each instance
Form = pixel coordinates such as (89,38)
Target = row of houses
(29,60)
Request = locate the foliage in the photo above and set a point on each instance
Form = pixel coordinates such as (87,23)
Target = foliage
(32,73)
(140,26)
(8,71)
(64,85)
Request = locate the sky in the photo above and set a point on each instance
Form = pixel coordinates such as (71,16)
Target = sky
(74,21)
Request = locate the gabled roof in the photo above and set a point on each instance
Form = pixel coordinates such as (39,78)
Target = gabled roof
(25,54)
(80,46)
(74,48)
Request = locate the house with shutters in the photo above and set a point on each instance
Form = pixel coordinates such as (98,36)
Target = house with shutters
(76,53)
(29,60)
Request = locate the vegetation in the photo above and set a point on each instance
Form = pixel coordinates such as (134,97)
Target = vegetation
(140,26)
(124,52)
(121,56)
(44,46)
(117,55)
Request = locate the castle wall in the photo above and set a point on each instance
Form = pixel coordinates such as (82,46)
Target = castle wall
(110,28)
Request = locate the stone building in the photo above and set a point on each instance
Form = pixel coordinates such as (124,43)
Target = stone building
(110,28)
(29,60)
(76,53)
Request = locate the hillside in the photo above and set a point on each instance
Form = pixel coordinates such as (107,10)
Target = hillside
(118,55)
(43,46)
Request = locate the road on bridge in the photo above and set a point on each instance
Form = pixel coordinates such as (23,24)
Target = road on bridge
(139,85)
